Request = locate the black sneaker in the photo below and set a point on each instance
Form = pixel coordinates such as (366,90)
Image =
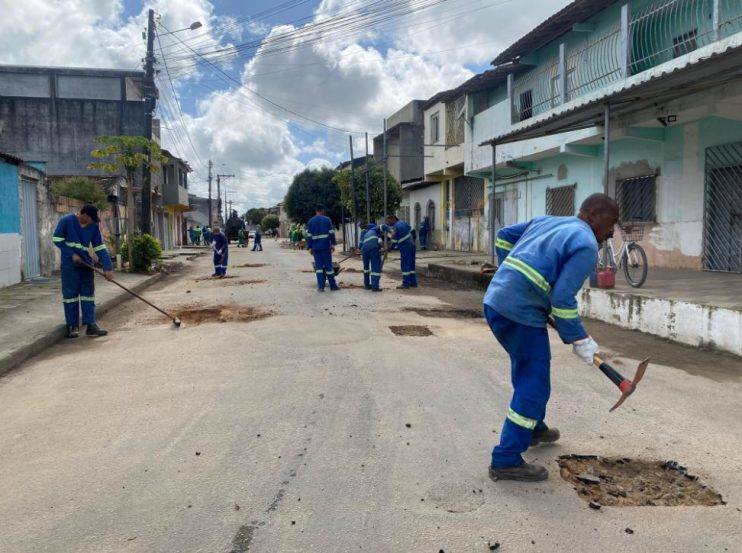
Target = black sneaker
(376,290)
(545,436)
(94,331)
(73,332)
(521,473)
(367,288)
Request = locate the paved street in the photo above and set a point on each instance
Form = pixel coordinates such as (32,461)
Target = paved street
(317,429)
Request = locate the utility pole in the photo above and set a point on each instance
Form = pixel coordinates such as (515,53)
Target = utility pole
(150,100)
(210,221)
(219,198)
(385,172)
(354,206)
(218,191)
(368,194)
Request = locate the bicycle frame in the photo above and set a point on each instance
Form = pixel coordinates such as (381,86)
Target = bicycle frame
(615,258)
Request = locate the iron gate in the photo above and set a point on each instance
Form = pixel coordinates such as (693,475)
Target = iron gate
(30,229)
(722,236)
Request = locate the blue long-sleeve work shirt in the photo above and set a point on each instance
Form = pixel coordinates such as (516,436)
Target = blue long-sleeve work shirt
(72,238)
(543,264)
(370,239)
(403,235)
(320,233)
(220,244)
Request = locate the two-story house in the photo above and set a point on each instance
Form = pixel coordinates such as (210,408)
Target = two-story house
(174,178)
(640,100)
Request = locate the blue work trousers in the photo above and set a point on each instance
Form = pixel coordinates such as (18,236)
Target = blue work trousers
(407,252)
(220,264)
(530,358)
(78,291)
(323,269)
(423,240)
(372,268)
(257,244)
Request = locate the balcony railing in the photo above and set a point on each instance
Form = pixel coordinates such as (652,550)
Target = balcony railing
(648,36)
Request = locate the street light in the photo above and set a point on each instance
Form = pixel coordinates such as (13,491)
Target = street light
(193,26)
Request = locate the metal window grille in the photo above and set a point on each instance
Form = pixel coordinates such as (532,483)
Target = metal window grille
(431,215)
(454,123)
(561,201)
(526,105)
(404,213)
(685,43)
(418,216)
(722,232)
(469,193)
(637,199)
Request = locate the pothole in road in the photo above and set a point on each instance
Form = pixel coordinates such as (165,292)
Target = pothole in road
(242,282)
(623,482)
(444,313)
(226,277)
(411,330)
(194,315)
(348,285)
(250,265)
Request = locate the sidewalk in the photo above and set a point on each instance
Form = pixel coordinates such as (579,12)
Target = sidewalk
(31,316)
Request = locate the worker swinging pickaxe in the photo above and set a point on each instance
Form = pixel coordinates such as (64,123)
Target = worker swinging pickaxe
(626,386)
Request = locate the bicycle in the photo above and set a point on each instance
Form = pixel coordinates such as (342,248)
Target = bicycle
(631,256)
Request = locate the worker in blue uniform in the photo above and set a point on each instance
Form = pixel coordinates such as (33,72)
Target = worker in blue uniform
(220,246)
(424,229)
(74,234)
(542,266)
(371,250)
(403,237)
(258,243)
(320,238)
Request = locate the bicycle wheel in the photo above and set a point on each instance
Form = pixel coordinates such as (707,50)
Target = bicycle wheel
(635,266)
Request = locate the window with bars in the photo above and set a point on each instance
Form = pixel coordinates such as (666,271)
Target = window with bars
(637,199)
(560,201)
(435,131)
(469,193)
(526,105)
(685,43)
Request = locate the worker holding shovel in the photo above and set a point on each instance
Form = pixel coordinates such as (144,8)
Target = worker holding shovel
(543,264)
(74,234)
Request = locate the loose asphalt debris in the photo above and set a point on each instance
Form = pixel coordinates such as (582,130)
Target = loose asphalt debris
(199,279)
(623,482)
(197,314)
(494,546)
(411,330)
(242,282)
(249,265)
(446,313)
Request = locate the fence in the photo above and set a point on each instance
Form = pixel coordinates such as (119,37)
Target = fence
(722,237)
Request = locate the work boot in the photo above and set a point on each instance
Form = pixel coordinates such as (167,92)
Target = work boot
(402,287)
(367,288)
(545,436)
(376,290)
(94,331)
(73,332)
(521,473)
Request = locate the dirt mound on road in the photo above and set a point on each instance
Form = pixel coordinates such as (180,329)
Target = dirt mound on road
(411,330)
(623,482)
(242,282)
(197,314)
(252,265)
(199,279)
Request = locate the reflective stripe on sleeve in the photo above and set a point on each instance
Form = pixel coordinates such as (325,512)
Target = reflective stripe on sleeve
(369,239)
(503,244)
(57,239)
(99,248)
(529,272)
(520,420)
(319,236)
(409,235)
(565,313)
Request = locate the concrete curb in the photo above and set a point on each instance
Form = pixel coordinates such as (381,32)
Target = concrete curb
(456,275)
(56,333)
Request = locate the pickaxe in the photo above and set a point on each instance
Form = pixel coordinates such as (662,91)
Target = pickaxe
(626,386)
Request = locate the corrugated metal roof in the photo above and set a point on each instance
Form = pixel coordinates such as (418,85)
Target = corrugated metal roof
(554,27)
(11,158)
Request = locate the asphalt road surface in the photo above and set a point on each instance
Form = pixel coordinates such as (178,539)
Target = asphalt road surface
(317,429)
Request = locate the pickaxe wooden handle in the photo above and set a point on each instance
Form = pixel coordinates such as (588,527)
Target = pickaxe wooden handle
(626,386)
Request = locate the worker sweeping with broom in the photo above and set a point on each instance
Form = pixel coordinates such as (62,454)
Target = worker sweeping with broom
(542,266)
(221,253)
(74,234)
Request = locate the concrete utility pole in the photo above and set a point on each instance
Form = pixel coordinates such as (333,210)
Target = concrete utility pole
(210,166)
(354,206)
(368,194)
(150,100)
(219,192)
(385,171)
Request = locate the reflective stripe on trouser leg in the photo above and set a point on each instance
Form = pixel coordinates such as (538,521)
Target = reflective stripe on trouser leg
(87,297)
(367,269)
(375,256)
(319,269)
(530,358)
(407,259)
(326,256)
(71,285)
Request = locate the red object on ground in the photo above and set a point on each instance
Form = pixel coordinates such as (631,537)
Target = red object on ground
(606,278)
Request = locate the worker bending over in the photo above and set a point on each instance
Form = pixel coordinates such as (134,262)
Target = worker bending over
(73,235)
(543,264)
(403,237)
(371,250)
(221,253)
(320,237)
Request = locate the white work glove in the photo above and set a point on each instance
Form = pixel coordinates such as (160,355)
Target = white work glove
(586,349)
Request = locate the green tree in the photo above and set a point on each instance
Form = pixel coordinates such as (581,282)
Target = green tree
(269,222)
(83,189)
(125,155)
(376,190)
(255,214)
(309,188)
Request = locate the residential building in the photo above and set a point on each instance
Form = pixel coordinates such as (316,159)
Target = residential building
(198,213)
(26,222)
(404,150)
(639,100)
(174,179)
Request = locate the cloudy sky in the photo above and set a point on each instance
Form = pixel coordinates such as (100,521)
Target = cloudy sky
(266,88)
